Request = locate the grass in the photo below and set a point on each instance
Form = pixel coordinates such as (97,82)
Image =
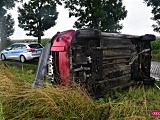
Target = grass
(1,112)
(23,71)
(135,103)
(52,104)
(20,101)
(156,55)
(156,49)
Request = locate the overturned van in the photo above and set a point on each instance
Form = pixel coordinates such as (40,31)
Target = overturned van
(98,60)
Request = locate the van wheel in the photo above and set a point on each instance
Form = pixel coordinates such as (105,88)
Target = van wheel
(148,38)
(22,58)
(3,57)
(88,33)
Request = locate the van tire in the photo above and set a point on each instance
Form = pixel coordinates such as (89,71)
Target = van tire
(148,38)
(88,33)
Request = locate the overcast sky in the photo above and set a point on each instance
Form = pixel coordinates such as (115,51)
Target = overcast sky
(137,22)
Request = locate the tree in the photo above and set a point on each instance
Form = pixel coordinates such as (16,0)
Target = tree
(7,29)
(8,26)
(98,14)
(5,5)
(36,16)
(6,21)
(155,4)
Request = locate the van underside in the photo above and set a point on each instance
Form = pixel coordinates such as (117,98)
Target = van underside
(98,60)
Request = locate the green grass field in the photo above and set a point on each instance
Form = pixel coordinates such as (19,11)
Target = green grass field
(19,101)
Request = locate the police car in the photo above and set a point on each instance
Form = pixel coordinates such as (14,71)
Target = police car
(22,51)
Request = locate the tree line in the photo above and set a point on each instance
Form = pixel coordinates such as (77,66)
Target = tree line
(37,16)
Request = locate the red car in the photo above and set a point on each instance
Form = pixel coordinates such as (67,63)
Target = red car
(98,60)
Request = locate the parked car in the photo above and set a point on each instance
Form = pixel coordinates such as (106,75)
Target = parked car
(22,51)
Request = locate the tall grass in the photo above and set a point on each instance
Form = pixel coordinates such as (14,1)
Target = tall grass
(1,112)
(21,102)
(23,71)
(51,103)
(135,103)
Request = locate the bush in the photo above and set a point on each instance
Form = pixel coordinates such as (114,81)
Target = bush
(156,49)
(156,44)
(45,41)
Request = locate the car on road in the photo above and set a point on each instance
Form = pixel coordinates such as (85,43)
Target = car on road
(22,51)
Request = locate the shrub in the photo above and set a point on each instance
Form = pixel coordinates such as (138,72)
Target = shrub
(45,41)
(156,44)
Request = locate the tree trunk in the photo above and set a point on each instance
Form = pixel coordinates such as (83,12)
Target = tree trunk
(39,37)
(39,25)
(39,31)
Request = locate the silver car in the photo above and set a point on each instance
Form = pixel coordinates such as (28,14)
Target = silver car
(22,51)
